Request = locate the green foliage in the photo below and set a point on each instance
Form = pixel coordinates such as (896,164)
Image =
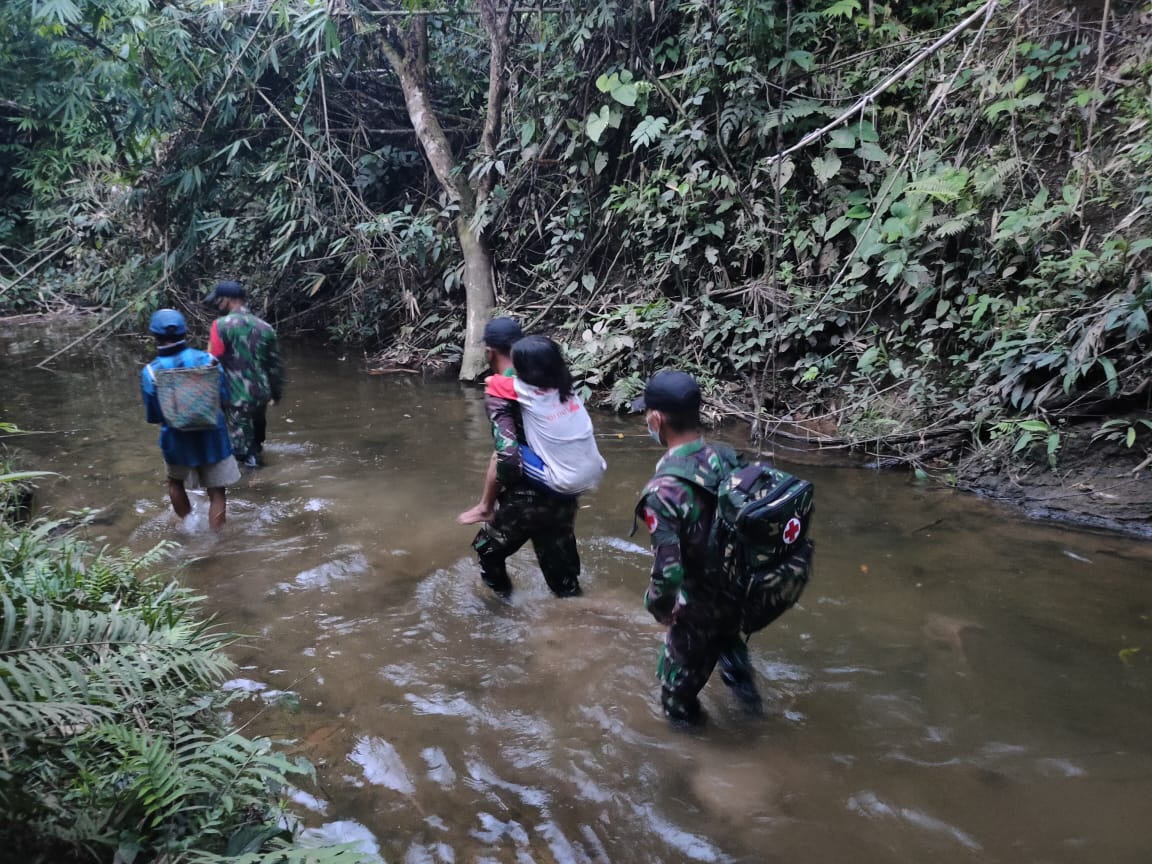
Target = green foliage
(971,243)
(1125,431)
(111,717)
(1027,434)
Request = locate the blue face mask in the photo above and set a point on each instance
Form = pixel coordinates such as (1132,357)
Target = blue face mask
(654,434)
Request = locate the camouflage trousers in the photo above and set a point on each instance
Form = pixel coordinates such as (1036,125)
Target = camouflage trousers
(693,645)
(549,521)
(247,426)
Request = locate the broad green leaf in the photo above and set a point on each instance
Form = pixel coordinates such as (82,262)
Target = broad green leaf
(625,94)
(868,359)
(842,139)
(865,131)
(1110,372)
(836,227)
(804,59)
(826,167)
(1137,323)
(871,152)
(527,131)
(781,172)
(596,123)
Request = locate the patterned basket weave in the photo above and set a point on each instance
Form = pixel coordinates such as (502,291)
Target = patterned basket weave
(189,398)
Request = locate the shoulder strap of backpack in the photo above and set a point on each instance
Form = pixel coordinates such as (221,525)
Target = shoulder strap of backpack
(687,469)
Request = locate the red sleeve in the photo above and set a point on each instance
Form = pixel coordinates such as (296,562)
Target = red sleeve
(215,343)
(502,387)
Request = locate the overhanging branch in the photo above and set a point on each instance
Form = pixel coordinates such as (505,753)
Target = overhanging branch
(985,10)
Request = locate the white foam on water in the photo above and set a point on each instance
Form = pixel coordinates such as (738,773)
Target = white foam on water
(435,853)
(439,769)
(342,831)
(621,545)
(689,845)
(492,830)
(382,765)
(1055,767)
(338,570)
(457,707)
(559,845)
(245,685)
(304,799)
(869,804)
(483,776)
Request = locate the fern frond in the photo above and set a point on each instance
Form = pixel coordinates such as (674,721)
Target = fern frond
(934,187)
(54,661)
(951,227)
(991,183)
(793,110)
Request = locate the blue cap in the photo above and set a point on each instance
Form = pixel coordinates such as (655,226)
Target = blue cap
(167,322)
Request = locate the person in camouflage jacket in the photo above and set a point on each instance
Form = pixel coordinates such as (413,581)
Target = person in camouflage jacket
(687,592)
(519,512)
(250,354)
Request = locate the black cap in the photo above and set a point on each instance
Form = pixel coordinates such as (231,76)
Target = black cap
(226,289)
(502,333)
(670,391)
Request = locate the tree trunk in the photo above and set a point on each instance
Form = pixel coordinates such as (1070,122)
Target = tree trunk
(407,53)
(479,289)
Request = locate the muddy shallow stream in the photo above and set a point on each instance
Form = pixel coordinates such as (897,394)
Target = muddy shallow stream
(958,684)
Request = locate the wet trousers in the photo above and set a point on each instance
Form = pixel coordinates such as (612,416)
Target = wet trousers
(247,427)
(549,521)
(693,646)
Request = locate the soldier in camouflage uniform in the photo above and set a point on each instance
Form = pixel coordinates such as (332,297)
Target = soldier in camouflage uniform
(520,512)
(687,592)
(250,354)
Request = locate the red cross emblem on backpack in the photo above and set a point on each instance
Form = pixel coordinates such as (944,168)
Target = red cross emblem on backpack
(792,531)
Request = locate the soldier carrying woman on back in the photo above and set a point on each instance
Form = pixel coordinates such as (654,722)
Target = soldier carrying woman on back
(545,457)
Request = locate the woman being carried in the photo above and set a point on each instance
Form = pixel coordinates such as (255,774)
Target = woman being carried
(559,453)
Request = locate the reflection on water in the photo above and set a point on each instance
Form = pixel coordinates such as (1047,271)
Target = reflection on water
(957,685)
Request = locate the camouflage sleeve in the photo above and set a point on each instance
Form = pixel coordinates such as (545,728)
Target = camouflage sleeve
(664,511)
(274,366)
(502,413)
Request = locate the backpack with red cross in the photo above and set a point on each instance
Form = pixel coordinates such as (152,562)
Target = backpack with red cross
(759,535)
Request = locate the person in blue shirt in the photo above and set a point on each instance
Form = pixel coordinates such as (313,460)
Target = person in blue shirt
(192,457)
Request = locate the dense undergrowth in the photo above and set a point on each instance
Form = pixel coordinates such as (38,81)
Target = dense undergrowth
(114,739)
(964,250)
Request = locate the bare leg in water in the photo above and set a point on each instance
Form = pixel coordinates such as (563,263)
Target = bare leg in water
(178,495)
(486,509)
(217,507)
(217,503)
